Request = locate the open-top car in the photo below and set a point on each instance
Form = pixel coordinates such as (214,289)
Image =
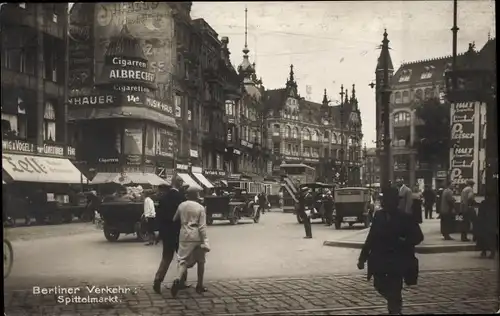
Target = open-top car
(236,206)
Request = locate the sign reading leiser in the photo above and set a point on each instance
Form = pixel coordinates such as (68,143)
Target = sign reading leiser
(41,169)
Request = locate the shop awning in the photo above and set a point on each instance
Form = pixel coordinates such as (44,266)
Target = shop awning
(204,181)
(25,168)
(128,178)
(188,180)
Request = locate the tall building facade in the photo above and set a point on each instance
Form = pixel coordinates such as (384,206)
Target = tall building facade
(33,82)
(326,137)
(411,85)
(124,114)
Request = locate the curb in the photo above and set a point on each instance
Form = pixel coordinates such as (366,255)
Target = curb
(422,249)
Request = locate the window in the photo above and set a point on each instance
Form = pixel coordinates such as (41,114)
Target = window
(254,136)
(288,149)
(276,130)
(406,96)
(276,148)
(397,97)
(334,138)
(296,150)
(326,136)
(402,119)
(428,93)
(405,75)
(22,5)
(288,131)
(418,94)
(49,122)
(306,134)
(306,151)
(315,136)
(295,133)
(315,152)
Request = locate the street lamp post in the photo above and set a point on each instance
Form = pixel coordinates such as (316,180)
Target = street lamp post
(365,158)
(342,175)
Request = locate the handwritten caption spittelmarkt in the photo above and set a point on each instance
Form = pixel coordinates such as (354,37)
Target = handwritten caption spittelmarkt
(85,294)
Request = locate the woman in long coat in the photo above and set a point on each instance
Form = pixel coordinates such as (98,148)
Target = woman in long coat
(416,206)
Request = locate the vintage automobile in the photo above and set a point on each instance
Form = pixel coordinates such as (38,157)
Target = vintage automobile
(123,217)
(353,205)
(318,189)
(233,208)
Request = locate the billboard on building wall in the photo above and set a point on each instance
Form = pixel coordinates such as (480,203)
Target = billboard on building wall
(465,159)
(150,22)
(81,49)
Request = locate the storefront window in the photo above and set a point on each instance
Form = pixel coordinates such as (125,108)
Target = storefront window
(150,140)
(132,140)
(165,142)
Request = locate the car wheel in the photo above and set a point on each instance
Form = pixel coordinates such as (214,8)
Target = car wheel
(111,234)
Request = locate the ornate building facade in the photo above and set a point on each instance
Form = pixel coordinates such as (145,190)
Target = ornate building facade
(318,134)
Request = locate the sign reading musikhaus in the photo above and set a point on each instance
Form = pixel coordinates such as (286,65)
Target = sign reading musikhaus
(148,23)
(465,139)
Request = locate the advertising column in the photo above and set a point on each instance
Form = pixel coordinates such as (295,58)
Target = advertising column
(464,151)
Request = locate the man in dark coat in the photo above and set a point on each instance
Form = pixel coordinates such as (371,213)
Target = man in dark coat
(306,202)
(485,227)
(168,228)
(429,200)
(390,251)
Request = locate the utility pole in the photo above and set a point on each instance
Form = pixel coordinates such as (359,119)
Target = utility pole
(385,91)
(342,176)
(454,29)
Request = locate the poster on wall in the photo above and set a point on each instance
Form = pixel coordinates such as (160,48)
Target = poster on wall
(165,143)
(150,141)
(81,48)
(132,141)
(464,144)
(150,22)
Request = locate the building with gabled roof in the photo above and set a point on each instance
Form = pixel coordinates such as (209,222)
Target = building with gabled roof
(303,131)
(412,83)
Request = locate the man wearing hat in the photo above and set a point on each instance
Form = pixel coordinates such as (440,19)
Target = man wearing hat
(193,241)
(305,202)
(168,227)
(466,209)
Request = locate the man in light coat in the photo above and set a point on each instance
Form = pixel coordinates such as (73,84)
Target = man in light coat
(149,217)
(405,198)
(447,211)
(193,240)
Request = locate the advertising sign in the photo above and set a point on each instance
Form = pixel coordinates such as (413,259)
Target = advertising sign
(150,22)
(126,71)
(464,149)
(81,47)
(166,143)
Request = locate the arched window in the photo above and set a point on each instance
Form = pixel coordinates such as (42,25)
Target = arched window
(315,136)
(418,94)
(402,119)
(397,97)
(288,132)
(295,132)
(326,136)
(306,134)
(334,138)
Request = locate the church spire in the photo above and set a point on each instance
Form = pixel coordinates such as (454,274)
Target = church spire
(290,83)
(346,97)
(245,68)
(325,99)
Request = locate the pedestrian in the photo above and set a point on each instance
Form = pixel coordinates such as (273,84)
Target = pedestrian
(168,228)
(485,227)
(417,205)
(405,197)
(429,201)
(328,205)
(262,200)
(193,240)
(304,210)
(447,212)
(389,250)
(149,217)
(439,194)
(466,213)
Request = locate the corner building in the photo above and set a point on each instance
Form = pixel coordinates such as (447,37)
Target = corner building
(317,134)
(123,114)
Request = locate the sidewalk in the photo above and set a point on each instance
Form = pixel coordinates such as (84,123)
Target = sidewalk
(443,292)
(433,240)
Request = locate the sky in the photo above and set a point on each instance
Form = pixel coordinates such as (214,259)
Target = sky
(336,42)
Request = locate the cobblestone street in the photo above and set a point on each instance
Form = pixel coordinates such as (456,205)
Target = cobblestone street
(459,292)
